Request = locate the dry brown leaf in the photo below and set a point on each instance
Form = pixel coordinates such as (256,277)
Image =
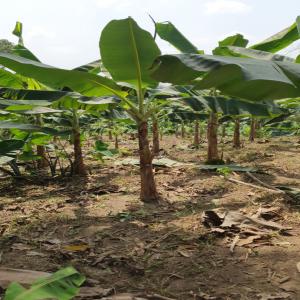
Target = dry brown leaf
(20,247)
(34,253)
(298,267)
(94,292)
(184,253)
(275,296)
(76,248)
(248,240)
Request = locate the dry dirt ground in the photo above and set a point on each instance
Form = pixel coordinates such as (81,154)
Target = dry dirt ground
(100,227)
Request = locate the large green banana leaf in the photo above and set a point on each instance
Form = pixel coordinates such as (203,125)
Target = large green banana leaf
(244,78)
(231,107)
(4,102)
(62,285)
(236,40)
(281,39)
(8,150)
(85,83)
(8,146)
(92,67)
(251,53)
(28,127)
(39,95)
(31,109)
(168,32)
(8,79)
(127,52)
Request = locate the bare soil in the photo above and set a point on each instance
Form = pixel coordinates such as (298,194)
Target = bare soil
(99,226)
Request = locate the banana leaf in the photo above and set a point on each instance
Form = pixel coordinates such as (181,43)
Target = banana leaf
(62,285)
(244,78)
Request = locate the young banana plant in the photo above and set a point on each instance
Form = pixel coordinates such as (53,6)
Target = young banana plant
(127,66)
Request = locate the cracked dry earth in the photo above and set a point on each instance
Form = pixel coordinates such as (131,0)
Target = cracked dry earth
(99,226)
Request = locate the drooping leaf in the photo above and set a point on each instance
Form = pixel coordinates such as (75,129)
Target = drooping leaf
(231,107)
(22,51)
(168,32)
(127,52)
(85,83)
(100,100)
(27,127)
(258,54)
(37,95)
(92,67)
(8,79)
(245,78)
(62,285)
(31,110)
(8,146)
(4,102)
(281,39)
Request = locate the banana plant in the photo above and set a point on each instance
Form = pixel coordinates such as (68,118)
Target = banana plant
(65,105)
(275,77)
(129,65)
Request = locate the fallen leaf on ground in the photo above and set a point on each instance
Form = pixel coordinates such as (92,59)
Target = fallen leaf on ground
(34,253)
(76,248)
(20,247)
(275,296)
(94,292)
(248,240)
(246,229)
(298,267)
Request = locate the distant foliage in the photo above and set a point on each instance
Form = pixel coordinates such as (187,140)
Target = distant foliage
(6,46)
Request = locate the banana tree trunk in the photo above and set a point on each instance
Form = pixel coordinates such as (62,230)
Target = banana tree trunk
(155,132)
(40,150)
(110,127)
(223,132)
(252,130)
(41,163)
(116,142)
(182,130)
(236,135)
(110,137)
(196,134)
(148,186)
(176,131)
(79,167)
(212,138)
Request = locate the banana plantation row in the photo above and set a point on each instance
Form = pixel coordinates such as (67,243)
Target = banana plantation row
(134,88)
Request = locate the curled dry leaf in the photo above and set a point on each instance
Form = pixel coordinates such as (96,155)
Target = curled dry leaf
(298,267)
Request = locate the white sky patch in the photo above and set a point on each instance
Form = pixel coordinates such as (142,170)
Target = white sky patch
(226,7)
(39,32)
(113,3)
